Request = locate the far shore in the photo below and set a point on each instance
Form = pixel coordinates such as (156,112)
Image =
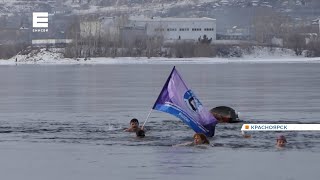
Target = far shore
(161,60)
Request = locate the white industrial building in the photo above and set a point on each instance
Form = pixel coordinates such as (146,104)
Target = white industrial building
(177,28)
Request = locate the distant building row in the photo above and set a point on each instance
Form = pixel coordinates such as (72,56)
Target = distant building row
(170,29)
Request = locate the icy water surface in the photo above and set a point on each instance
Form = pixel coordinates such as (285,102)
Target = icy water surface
(69,118)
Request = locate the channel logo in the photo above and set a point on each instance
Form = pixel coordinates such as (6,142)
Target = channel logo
(280,127)
(40,21)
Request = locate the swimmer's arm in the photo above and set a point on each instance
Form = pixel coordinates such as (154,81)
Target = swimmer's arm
(183,144)
(143,128)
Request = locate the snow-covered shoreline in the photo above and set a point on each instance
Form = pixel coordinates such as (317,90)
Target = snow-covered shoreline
(54,57)
(144,60)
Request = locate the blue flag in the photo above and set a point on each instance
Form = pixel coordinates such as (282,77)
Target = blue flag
(177,99)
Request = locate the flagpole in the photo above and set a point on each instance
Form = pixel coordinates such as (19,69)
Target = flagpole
(159,96)
(147,118)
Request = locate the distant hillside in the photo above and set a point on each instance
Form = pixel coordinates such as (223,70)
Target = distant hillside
(227,12)
(152,7)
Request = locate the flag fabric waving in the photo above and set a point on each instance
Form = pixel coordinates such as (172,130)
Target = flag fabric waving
(177,99)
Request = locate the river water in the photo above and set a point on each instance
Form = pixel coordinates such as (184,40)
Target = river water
(66,122)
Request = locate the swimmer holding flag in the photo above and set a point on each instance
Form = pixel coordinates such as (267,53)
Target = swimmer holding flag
(177,99)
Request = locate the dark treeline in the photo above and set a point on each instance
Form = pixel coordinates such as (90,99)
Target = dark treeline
(9,50)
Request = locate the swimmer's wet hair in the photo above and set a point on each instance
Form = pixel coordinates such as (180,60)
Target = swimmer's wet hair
(281,137)
(134,120)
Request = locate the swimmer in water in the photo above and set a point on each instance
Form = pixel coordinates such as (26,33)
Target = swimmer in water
(245,134)
(198,139)
(281,141)
(134,126)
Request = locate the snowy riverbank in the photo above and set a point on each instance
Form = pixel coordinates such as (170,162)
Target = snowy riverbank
(260,55)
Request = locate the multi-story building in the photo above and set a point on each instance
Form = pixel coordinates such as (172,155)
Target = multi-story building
(177,28)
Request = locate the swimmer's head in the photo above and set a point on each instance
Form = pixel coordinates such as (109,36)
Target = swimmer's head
(281,141)
(134,123)
(245,134)
(200,138)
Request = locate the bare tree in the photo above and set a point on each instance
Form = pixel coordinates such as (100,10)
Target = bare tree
(313,48)
(297,42)
(183,49)
(153,45)
(73,32)
(269,23)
